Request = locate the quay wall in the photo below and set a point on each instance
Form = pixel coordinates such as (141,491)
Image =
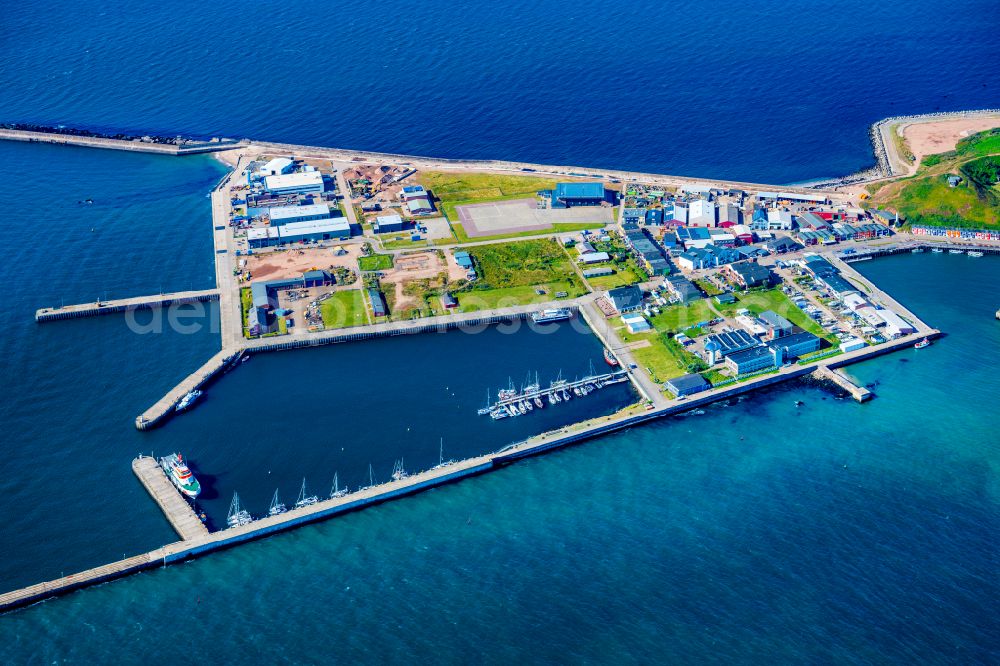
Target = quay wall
(123,305)
(164,407)
(875,253)
(323,510)
(184,550)
(116,144)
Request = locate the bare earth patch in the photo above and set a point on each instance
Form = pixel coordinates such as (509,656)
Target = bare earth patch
(938,137)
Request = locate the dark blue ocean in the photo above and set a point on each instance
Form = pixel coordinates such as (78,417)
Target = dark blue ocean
(777,92)
(755,532)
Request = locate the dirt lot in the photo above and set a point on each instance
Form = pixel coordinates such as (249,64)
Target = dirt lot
(294,262)
(412,266)
(937,137)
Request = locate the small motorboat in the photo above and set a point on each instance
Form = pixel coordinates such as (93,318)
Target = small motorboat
(923,343)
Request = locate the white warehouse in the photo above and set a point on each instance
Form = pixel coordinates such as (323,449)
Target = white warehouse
(305,182)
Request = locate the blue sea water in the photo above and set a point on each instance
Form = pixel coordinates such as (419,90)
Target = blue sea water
(776,92)
(755,532)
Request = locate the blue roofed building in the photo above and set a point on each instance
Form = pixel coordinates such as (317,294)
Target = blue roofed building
(567,195)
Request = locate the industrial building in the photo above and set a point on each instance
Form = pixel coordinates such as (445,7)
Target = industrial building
(595,257)
(599,271)
(701,213)
(754,359)
(388,224)
(568,195)
(778,219)
(284,214)
(796,345)
(304,182)
(687,384)
(895,326)
(730,342)
(775,326)
(729,216)
(276,167)
(417,200)
(294,232)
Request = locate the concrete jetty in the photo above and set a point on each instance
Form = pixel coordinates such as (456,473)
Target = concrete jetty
(859,393)
(135,146)
(164,407)
(177,510)
(125,304)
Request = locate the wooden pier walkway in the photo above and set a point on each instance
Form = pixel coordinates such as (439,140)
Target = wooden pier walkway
(177,510)
(125,304)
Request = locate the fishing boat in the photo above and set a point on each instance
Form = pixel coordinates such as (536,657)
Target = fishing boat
(975,253)
(937,250)
(180,475)
(610,359)
(923,343)
(276,506)
(336,491)
(304,500)
(189,399)
(551,315)
(237,516)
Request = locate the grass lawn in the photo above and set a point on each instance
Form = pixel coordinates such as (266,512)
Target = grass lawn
(522,263)
(676,318)
(776,301)
(568,227)
(623,276)
(375,262)
(465,187)
(927,199)
(485,299)
(344,308)
(246,302)
(403,243)
(663,358)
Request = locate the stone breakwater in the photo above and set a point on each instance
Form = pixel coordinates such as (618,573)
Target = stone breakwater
(78,132)
(883,164)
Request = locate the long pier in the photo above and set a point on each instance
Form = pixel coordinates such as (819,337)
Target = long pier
(164,407)
(177,510)
(107,143)
(125,304)
(203,544)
